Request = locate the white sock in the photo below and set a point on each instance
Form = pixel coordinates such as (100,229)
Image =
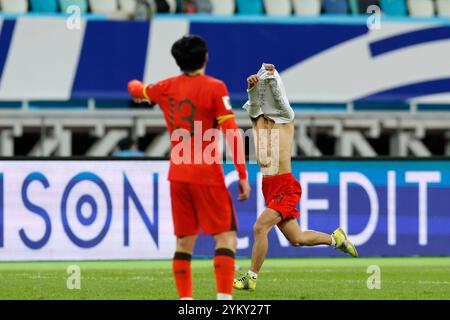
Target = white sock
(253,275)
(186,298)
(333,242)
(223,296)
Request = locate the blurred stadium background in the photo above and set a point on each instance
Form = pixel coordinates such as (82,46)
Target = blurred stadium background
(369,82)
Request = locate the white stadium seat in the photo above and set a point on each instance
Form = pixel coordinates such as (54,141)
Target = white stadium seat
(104,6)
(307,7)
(173,5)
(421,8)
(127,6)
(223,7)
(14,6)
(443,8)
(278,7)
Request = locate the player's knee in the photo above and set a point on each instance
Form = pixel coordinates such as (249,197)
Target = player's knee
(260,229)
(186,243)
(226,240)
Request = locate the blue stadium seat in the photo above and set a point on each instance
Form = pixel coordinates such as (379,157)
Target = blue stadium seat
(335,6)
(354,6)
(250,6)
(82,4)
(361,6)
(393,7)
(46,6)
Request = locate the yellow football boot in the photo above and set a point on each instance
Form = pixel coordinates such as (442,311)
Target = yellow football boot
(244,283)
(343,244)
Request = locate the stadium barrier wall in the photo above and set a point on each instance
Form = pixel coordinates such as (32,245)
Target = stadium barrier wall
(120,209)
(321,60)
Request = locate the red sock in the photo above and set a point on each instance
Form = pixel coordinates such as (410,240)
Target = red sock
(182,273)
(224,270)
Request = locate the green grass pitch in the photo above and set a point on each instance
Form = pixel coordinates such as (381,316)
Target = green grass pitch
(306,278)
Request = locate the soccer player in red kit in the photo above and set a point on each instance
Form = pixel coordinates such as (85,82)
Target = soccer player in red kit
(194,105)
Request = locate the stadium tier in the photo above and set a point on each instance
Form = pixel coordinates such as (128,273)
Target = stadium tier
(281,8)
(357,90)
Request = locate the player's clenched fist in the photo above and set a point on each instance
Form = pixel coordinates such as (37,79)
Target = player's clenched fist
(252,81)
(269,67)
(244,190)
(136,89)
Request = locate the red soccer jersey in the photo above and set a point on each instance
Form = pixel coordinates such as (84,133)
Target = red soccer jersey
(192,105)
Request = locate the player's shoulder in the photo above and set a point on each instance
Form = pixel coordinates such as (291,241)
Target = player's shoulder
(167,83)
(214,81)
(169,80)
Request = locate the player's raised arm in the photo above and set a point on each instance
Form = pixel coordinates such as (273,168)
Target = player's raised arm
(235,143)
(253,106)
(137,90)
(144,92)
(227,123)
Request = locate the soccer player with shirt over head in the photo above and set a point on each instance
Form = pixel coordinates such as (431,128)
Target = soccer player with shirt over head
(273,129)
(194,105)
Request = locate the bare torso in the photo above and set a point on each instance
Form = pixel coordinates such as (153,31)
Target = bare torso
(273,145)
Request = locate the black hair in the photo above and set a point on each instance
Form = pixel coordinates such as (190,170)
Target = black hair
(126,144)
(190,53)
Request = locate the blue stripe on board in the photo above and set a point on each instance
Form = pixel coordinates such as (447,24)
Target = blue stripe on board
(381,106)
(112,54)
(5,42)
(406,92)
(433,107)
(409,39)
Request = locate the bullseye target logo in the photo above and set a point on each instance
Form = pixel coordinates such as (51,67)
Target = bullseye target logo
(86,206)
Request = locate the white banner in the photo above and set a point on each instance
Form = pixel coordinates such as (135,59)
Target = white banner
(85,210)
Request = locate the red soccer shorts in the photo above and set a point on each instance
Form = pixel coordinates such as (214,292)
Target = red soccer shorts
(282,194)
(196,206)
